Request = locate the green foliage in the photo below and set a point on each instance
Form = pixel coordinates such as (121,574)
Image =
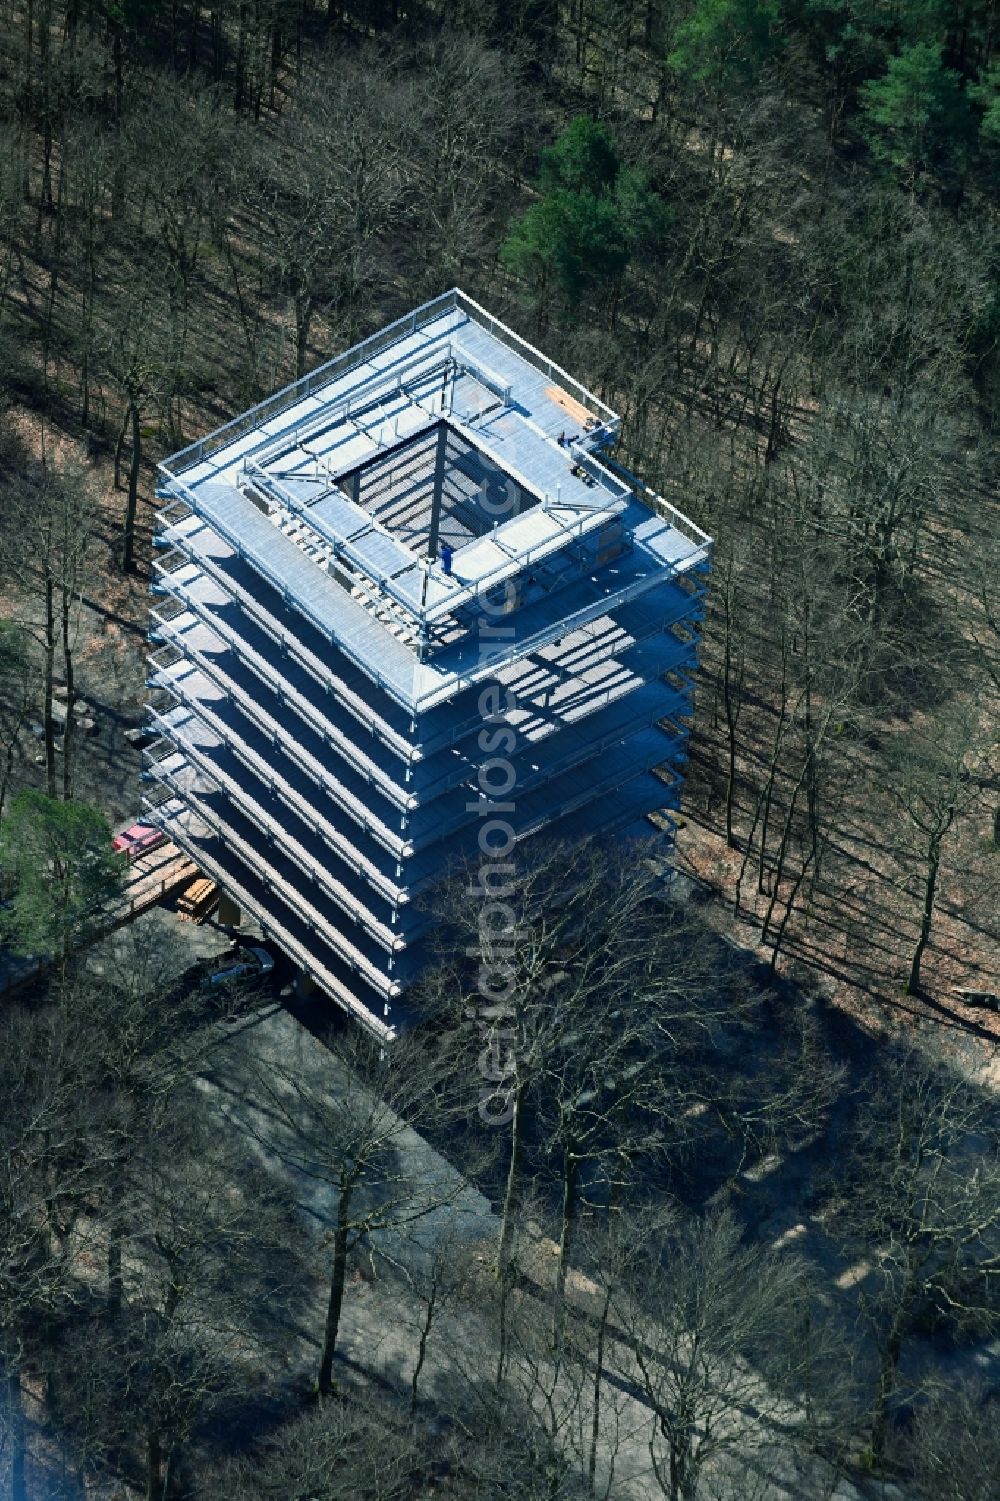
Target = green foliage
(57,857)
(584,159)
(724,43)
(572,239)
(877,27)
(853,36)
(987,95)
(917,116)
(594,213)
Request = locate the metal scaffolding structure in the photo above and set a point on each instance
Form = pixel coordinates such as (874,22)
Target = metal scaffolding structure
(342,569)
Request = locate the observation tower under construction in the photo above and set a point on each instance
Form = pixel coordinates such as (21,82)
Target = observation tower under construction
(417,543)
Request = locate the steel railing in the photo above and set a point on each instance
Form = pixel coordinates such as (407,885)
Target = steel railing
(317,773)
(269,826)
(262,567)
(359,354)
(537,639)
(250,856)
(360,711)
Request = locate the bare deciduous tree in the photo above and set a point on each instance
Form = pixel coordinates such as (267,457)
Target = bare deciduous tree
(208,1268)
(18,691)
(51,1163)
(354,1450)
(931,782)
(344,1122)
(920,1199)
(954,1451)
(335,182)
(710,1330)
(48,542)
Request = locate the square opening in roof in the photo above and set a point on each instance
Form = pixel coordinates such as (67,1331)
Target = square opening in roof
(435,488)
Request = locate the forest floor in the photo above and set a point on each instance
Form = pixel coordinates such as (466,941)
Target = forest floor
(383,1311)
(853,942)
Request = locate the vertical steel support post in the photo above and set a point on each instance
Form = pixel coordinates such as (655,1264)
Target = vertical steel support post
(442,443)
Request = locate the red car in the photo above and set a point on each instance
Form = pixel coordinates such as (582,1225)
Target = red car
(138,840)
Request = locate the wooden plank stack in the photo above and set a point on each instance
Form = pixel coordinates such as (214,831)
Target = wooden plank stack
(197,899)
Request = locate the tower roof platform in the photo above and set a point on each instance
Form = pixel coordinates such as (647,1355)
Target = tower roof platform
(440,473)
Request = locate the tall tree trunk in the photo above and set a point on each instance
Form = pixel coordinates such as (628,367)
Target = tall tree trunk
(595,1417)
(784,724)
(239,87)
(47,689)
(570,1179)
(27,91)
(338,1279)
(193,23)
(247,321)
(888,1364)
(87,322)
(425,1331)
(118,59)
(303,320)
(154,1466)
(132,503)
(779,864)
(732,699)
(115,1248)
(762,807)
(69,728)
(16,1436)
(508,1213)
(506,1285)
(120,448)
(772,963)
(927,914)
(513,1184)
(10,753)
